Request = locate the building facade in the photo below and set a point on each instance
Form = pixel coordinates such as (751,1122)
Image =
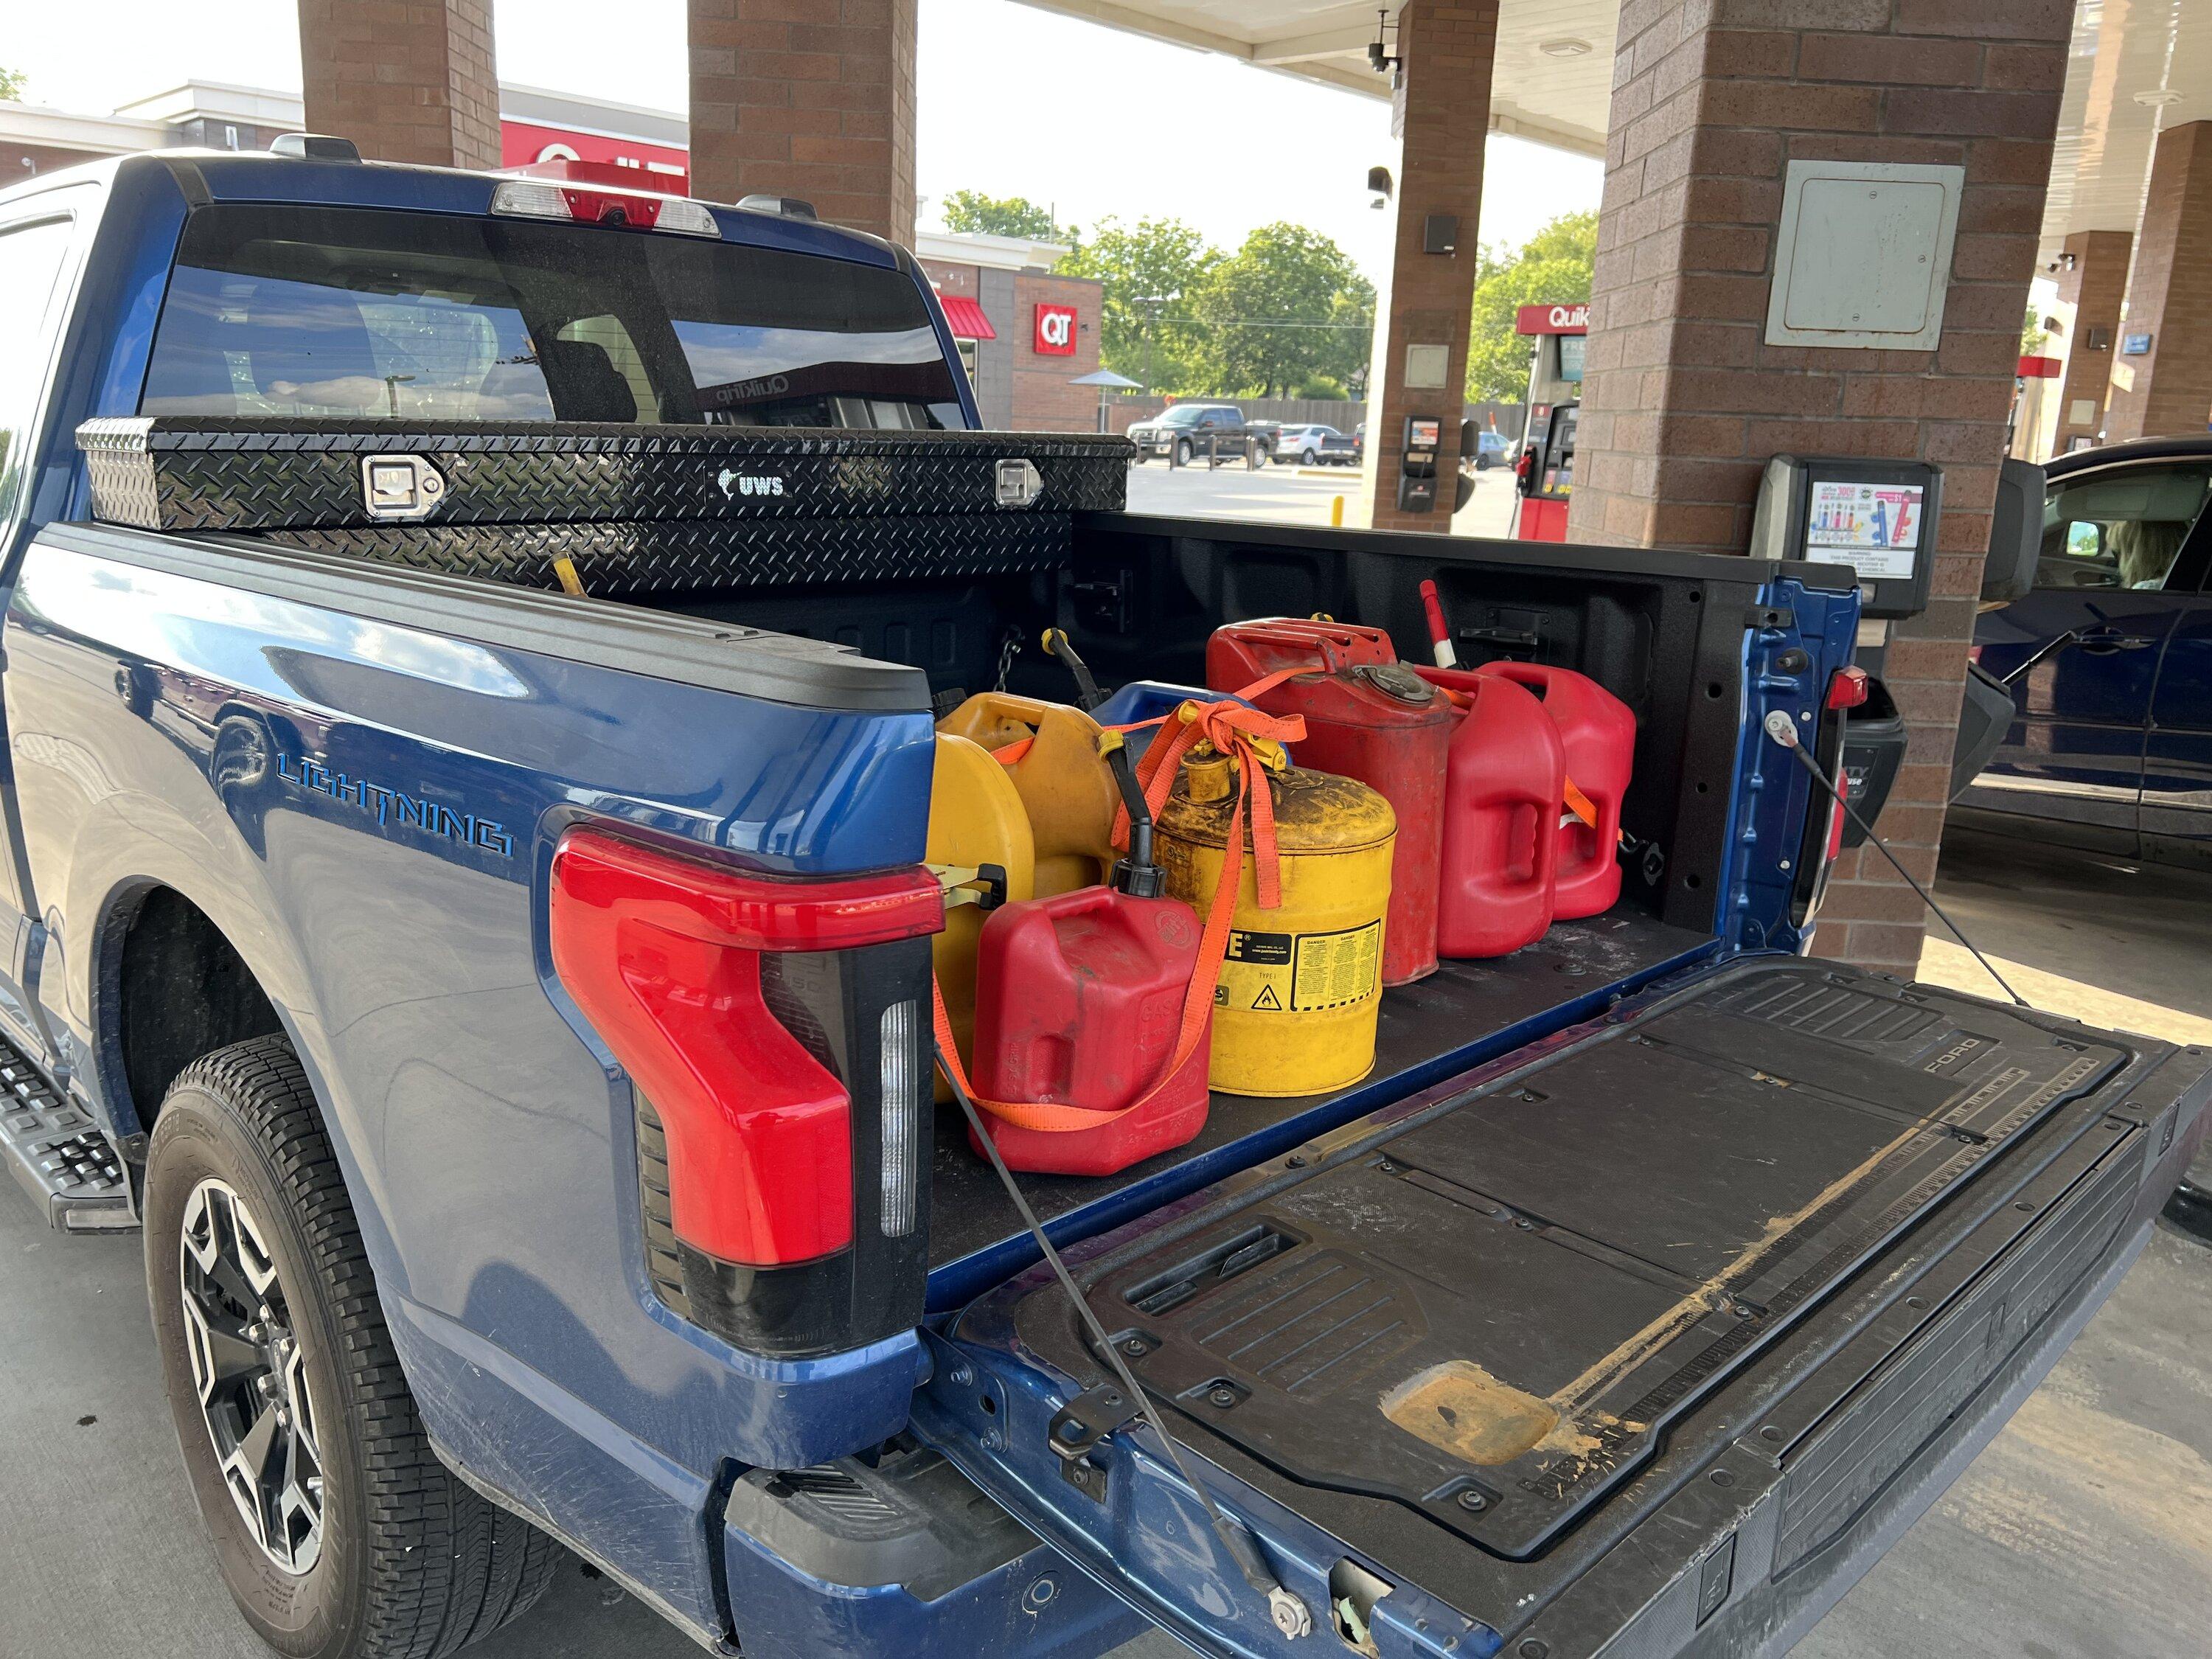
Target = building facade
(1024,333)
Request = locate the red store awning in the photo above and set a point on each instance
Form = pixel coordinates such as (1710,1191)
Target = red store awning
(966,318)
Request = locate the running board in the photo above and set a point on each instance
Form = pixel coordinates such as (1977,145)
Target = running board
(58,1155)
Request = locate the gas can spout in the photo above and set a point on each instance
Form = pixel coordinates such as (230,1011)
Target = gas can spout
(1135,875)
(1056,644)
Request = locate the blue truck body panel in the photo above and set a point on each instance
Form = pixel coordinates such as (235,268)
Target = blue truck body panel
(367,808)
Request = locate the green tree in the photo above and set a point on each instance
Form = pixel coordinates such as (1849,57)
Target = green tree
(12,83)
(1287,309)
(971,213)
(1149,272)
(2033,336)
(1552,268)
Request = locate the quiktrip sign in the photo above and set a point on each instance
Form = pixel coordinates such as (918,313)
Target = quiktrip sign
(1553,319)
(1055,331)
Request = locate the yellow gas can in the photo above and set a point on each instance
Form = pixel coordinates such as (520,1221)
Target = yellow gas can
(1065,786)
(1301,984)
(975,818)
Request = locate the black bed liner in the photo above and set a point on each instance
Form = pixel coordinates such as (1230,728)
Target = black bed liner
(1487,1315)
(1426,1029)
(637,508)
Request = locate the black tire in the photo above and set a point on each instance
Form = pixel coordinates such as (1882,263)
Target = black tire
(1308,459)
(1183,452)
(409,1563)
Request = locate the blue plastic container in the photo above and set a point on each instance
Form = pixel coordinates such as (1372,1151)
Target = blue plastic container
(1145,699)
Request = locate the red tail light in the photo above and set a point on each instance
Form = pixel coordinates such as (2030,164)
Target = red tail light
(1848,690)
(664,954)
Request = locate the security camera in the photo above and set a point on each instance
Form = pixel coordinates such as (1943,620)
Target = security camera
(1378,188)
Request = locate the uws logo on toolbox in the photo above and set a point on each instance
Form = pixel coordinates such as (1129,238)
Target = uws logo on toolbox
(1055,331)
(734,485)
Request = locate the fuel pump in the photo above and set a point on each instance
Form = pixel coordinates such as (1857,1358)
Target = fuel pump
(1544,470)
(1417,464)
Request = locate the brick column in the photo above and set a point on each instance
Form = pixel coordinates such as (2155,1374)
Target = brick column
(807,98)
(2094,288)
(1684,401)
(1440,114)
(2170,296)
(407,81)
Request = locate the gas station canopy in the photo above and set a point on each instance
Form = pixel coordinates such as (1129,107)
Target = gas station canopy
(1555,74)
(2134,69)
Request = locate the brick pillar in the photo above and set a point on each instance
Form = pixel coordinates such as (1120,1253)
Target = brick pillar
(1440,113)
(412,80)
(2170,296)
(2094,288)
(1685,400)
(807,98)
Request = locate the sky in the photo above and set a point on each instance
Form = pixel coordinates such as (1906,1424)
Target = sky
(987,121)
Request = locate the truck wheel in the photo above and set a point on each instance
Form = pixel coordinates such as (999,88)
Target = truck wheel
(336,1530)
(1183,452)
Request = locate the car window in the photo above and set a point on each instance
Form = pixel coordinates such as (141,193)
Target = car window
(31,261)
(2122,528)
(281,310)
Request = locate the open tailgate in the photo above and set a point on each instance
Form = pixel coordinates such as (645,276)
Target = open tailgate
(1444,1360)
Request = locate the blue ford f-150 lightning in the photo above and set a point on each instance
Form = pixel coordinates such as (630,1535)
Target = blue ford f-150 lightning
(360,874)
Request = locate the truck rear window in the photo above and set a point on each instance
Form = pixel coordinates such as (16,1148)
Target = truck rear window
(344,311)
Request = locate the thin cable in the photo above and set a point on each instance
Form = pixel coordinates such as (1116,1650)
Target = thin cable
(1882,847)
(1242,1547)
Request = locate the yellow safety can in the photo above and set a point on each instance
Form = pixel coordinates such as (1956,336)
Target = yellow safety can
(1065,786)
(975,818)
(1300,986)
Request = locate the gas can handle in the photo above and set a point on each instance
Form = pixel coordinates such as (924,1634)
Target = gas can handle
(1545,868)
(1535,676)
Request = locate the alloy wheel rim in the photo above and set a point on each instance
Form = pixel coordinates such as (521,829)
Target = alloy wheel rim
(249,1375)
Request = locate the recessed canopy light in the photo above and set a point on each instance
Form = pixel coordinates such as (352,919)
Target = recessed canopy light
(1567,48)
(2153,97)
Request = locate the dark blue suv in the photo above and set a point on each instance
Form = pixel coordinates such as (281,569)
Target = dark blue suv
(2111,742)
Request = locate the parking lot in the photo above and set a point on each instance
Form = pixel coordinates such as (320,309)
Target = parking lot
(1295,494)
(2085,1528)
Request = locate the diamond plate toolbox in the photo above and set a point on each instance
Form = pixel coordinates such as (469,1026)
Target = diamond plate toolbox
(187,472)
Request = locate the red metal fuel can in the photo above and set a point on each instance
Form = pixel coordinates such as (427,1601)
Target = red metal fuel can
(1503,787)
(1368,717)
(1597,733)
(1078,1002)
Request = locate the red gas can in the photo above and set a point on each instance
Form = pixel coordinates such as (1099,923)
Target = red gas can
(1368,717)
(1501,833)
(1078,1002)
(1598,735)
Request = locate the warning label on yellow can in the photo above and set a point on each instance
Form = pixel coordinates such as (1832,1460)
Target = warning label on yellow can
(1300,973)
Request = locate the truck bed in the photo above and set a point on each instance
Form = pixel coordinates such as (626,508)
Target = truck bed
(1461,1015)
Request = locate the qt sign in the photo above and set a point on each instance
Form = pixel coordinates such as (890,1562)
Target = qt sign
(1552,319)
(1055,331)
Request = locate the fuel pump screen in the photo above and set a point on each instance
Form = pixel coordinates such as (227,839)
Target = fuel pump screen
(1875,527)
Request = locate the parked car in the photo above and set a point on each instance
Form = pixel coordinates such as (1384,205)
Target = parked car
(2110,660)
(1491,449)
(1315,445)
(505,1008)
(1186,432)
